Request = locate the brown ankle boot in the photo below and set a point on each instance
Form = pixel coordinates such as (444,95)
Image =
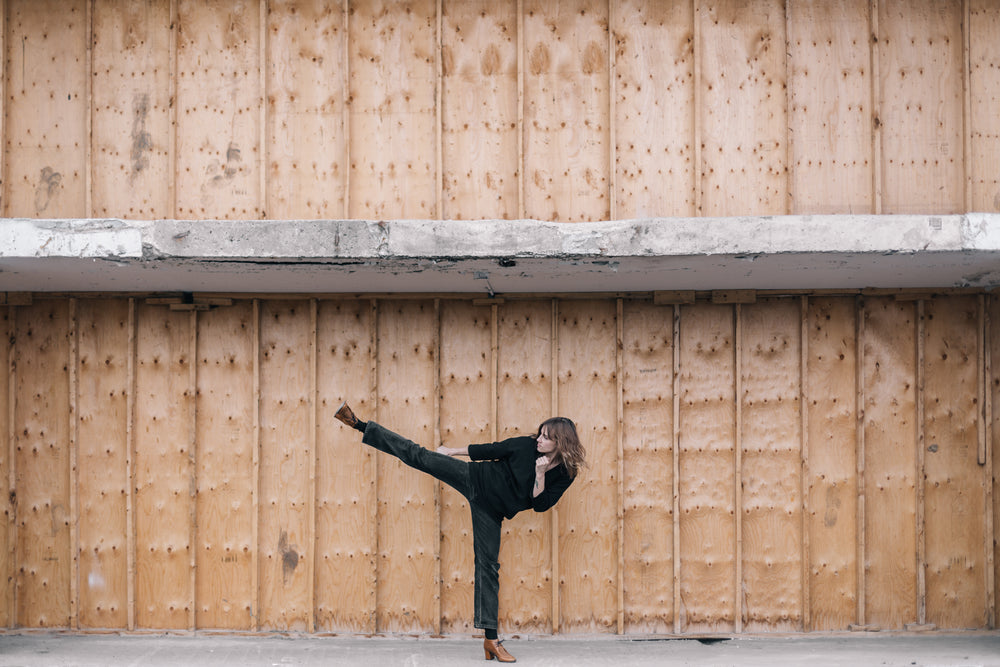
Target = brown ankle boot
(345,415)
(494,649)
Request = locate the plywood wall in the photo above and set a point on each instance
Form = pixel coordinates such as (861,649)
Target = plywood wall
(793,464)
(569,111)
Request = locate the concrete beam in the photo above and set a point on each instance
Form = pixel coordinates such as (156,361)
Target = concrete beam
(501,256)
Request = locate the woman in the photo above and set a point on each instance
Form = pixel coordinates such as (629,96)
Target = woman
(502,479)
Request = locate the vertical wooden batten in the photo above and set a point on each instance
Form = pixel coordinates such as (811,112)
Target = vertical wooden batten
(262,102)
(738,395)
(74,473)
(804,474)
(311,541)
(553,410)
(876,109)
(88,146)
(172,111)
(675,441)
(436,415)
(255,491)
(967,129)
(986,432)
(920,445)
(860,412)
(620,455)
(192,453)
(986,341)
(130,466)
(10,341)
(373,466)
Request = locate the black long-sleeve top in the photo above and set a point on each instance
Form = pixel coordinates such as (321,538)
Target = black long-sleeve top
(504,476)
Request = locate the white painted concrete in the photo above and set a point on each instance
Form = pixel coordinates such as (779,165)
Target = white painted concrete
(502,256)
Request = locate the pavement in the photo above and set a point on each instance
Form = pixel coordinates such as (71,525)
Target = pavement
(874,650)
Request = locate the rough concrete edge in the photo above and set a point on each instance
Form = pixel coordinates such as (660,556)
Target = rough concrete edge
(465,239)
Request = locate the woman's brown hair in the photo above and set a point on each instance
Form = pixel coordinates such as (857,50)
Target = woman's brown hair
(569,449)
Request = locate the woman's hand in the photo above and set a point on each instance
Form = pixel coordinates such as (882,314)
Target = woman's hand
(453,451)
(541,465)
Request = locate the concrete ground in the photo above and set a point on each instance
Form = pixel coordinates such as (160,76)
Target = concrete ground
(59,650)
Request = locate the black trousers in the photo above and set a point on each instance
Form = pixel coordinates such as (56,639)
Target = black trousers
(485,520)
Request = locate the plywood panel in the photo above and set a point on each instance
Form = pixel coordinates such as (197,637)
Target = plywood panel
(984,83)
(953,487)
(45,113)
(7,457)
(225,510)
(163,469)
(829,115)
(218,110)
(285,451)
(131,109)
(524,400)
(741,52)
(306,135)
(102,486)
(654,108)
(466,417)
(920,55)
(393,121)
(890,432)
(647,447)
(588,524)
(480,109)
(707,468)
(771,441)
(831,467)
(566,100)
(345,471)
(407,512)
(44,553)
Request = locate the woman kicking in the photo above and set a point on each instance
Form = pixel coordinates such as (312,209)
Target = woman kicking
(502,479)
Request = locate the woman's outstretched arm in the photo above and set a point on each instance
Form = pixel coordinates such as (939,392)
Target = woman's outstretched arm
(453,451)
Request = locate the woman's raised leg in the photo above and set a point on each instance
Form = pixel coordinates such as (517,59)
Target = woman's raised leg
(451,471)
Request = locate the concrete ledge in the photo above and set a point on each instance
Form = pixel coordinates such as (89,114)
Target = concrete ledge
(771,252)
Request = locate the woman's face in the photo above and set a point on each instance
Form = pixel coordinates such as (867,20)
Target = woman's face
(544,444)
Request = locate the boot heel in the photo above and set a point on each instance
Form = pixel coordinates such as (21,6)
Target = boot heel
(489,656)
